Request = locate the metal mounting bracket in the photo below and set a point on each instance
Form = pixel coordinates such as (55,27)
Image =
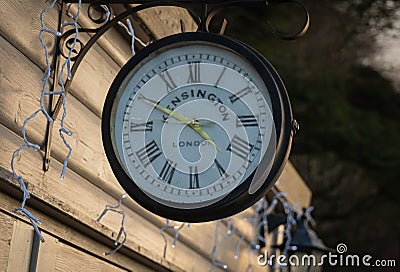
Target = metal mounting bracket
(209,8)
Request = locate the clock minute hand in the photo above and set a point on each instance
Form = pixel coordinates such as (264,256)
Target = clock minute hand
(176,115)
(195,126)
(194,122)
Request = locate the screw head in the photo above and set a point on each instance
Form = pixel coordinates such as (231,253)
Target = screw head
(295,126)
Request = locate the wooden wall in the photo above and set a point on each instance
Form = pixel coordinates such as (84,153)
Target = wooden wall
(69,208)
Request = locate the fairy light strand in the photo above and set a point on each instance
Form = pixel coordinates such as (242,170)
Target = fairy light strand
(231,231)
(107,11)
(132,33)
(122,231)
(176,229)
(290,220)
(44,80)
(263,222)
(142,43)
(67,64)
(215,249)
(309,217)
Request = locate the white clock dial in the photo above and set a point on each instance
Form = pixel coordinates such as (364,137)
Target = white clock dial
(164,155)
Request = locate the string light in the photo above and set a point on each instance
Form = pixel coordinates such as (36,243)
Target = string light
(44,80)
(307,213)
(67,64)
(132,33)
(250,256)
(122,228)
(231,230)
(176,229)
(142,43)
(262,209)
(107,11)
(215,248)
(290,220)
(263,223)
(262,203)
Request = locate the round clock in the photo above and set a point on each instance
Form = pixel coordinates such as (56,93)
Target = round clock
(197,127)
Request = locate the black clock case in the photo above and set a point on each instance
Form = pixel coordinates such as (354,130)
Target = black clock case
(239,199)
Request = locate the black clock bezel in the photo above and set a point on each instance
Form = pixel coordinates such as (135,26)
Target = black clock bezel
(239,199)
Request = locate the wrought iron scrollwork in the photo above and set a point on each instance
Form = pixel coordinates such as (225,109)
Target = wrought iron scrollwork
(302,30)
(100,13)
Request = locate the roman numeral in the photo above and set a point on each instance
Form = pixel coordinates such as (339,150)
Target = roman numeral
(247,121)
(169,82)
(220,168)
(194,72)
(220,76)
(235,97)
(168,171)
(147,126)
(148,153)
(193,178)
(240,147)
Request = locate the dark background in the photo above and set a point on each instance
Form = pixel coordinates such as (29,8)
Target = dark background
(348,147)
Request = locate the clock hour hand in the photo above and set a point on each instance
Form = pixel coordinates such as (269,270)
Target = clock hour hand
(203,134)
(180,117)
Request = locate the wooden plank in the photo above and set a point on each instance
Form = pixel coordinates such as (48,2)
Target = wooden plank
(98,64)
(61,230)
(165,21)
(143,236)
(82,240)
(71,259)
(291,183)
(6,227)
(112,42)
(47,252)
(21,246)
(20,25)
(19,98)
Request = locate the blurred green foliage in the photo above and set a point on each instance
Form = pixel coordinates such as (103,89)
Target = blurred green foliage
(344,108)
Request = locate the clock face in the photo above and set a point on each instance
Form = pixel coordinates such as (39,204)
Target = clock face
(189,127)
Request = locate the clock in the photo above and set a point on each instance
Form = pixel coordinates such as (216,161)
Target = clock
(197,127)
